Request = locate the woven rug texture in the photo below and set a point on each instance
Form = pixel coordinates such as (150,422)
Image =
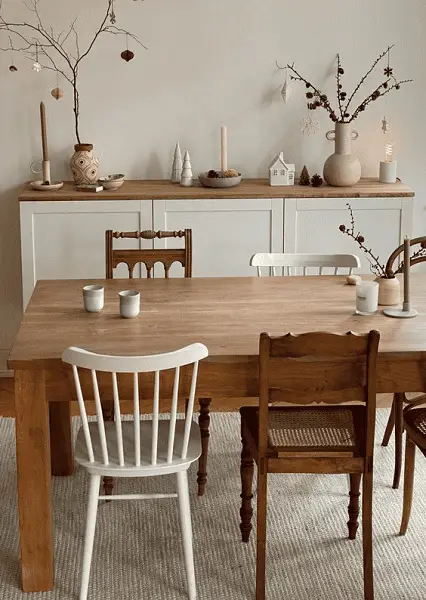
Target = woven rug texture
(138,550)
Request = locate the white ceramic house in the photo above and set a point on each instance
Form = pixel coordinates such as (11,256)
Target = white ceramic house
(280,172)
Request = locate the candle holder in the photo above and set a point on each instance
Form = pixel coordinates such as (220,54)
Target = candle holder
(407,312)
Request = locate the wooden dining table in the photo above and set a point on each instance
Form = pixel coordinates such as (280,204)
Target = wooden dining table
(226,314)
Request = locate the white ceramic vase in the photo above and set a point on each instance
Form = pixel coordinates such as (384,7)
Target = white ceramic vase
(342,168)
(389,291)
(84,166)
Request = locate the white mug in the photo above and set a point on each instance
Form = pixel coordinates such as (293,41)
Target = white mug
(367,297)
(130,301)
(93,298)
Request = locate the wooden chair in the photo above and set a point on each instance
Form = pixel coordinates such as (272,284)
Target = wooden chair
(148,257)
(305,369)
(415,427)
(137,448)
(291,262)
(400,400)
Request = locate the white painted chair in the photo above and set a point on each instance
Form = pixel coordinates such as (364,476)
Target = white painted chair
(295,263)
(137,448)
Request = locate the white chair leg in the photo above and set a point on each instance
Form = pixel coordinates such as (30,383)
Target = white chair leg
(185,523)
(92,509)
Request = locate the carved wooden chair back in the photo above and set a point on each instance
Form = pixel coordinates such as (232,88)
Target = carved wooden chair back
(294,264)
(417,257)
(132,257)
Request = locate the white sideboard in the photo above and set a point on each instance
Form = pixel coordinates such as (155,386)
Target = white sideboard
(62,237)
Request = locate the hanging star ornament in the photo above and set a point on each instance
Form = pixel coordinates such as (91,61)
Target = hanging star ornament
(37,67)
(309,126)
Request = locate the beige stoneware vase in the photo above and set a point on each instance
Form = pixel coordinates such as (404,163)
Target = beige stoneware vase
(342,168)
(84,166)
(389,291)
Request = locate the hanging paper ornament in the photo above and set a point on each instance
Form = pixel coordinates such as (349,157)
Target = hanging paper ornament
(37,66)
(309,126)
(286,89)
(385,125)
(12,67)
(127,55)
(57,93)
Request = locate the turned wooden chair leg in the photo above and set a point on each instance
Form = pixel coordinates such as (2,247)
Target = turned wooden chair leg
(367,534)
(262,496)
(410,457)
(108,415)
(390,425)
(399,430)
(246,470)
(353,509)
(204,424)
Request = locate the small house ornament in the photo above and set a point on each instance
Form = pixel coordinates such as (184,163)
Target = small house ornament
(280,172)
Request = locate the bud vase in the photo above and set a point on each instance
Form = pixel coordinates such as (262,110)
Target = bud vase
(84,166)
(342,168)
(389,291)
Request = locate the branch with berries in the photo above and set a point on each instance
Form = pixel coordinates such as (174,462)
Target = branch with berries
(317,99)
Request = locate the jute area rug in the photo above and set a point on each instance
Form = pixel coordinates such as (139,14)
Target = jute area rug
(138,552)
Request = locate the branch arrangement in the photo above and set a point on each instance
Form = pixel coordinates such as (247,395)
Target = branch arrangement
(317,99)
(59,52)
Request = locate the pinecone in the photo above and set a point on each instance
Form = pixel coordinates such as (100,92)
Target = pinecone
(304,178)
(316,180)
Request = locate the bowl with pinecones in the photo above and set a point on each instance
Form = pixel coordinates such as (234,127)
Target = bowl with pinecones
(220,179)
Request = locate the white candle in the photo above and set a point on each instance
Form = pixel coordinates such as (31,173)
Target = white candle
(367,297)
(407,252)
(387,172)
(223,149)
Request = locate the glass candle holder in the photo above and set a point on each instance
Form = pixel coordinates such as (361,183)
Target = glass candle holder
(367,298)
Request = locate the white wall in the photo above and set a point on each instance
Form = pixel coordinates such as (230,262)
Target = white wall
(208,62)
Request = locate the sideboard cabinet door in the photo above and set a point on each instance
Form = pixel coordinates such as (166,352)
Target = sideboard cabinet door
(226,233)
(66,240)
(312,225)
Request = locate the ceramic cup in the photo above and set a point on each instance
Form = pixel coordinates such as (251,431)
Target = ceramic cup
(93,298)
(130,302)
(367,298)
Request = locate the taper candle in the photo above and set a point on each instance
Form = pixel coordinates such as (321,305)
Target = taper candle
(44,131)
(224,148)
(407,252)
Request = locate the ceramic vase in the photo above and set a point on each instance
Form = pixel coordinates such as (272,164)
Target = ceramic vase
(389,291)
(84,166)
(342,168)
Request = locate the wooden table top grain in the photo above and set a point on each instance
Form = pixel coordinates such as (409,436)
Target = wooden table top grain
(226,314)
(368,187)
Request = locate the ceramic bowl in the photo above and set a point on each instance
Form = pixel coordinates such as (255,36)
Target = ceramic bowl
(219,182)
(112,182)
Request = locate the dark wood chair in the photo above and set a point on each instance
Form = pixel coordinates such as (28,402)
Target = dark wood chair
(306,369)
(414,419)
(400,400)
(132,257)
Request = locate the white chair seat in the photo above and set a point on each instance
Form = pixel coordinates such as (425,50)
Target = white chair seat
(129,469)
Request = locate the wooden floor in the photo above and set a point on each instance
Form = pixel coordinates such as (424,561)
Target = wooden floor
(7,400)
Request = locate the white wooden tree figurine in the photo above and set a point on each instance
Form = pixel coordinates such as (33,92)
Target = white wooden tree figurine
(177,165)
(186,179)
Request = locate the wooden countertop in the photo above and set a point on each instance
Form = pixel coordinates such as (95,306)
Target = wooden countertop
(249,188)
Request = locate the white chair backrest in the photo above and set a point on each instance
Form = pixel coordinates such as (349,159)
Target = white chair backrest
(294,263)
(79,358)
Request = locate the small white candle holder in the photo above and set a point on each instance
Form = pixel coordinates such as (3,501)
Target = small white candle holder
(367,298)
(405,313)
(387,172)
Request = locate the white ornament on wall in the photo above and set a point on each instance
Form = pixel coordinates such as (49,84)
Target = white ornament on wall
(186,178)
(309,126)
(177,165)
(286,89)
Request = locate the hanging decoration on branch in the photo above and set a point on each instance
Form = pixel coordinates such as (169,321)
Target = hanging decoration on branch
(12,67)
(57,93)
(58,51)
(286,89)
(127,54)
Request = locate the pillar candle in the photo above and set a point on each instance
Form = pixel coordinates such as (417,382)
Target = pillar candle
(224,149)
(44,131)
(407,252)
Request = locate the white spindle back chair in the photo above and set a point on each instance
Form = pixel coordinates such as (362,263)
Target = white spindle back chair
(137,448)
(293,263)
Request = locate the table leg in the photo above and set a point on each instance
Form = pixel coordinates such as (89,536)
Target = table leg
(34,480)
(204,423)
(61,446)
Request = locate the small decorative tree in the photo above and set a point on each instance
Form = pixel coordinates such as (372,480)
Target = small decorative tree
(304,178)
(59,52)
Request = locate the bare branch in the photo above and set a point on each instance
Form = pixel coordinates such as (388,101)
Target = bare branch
(118,31)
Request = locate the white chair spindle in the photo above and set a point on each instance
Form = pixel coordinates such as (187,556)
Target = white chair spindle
(137,420)
(173,414)
(274,271)
(292,264)
(259,272)
(289,270)
(350,271)
(83,414)
(118,424)
(321,270)
(336,270)
(190,411)
(155,411)
(304,271)
(100,417)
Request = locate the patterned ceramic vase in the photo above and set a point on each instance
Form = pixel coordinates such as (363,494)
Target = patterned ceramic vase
(342,168)
(84,166)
